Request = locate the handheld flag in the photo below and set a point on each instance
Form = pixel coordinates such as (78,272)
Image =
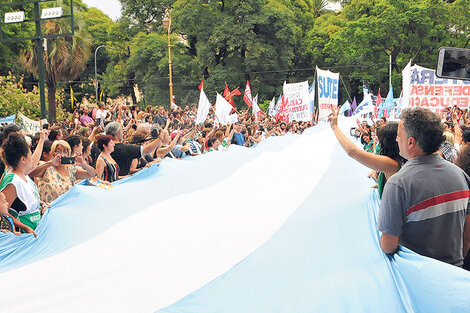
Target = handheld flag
(256,108)
(201,85)
(345,107)
(101,94)
(72,97)
(232,94)
(388,103)
(365,106)
(278,104)
(222,110)
(283,112)
(353,106)
(173,104)
(247,95)
(203,108)
(272,107)
(226,91)
(378,105)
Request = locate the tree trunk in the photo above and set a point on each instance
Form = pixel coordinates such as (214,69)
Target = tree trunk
(51,89)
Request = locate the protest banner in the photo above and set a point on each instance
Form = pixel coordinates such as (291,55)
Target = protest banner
(422,88)
(29,125)
(8,119)
(298,104)
(328,90)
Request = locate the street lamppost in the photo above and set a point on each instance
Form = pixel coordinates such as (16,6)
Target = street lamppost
(96,74)
(167,25)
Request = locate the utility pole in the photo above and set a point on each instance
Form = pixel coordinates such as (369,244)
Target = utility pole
(40,52)
(39,39)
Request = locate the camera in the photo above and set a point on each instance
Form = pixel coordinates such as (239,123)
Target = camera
(67,160)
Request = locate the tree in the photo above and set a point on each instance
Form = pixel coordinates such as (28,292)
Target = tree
(14,98)
(145,15)
(237,41)
(66,57)
(149,63)
(364,35)
(100,27)
(117,79)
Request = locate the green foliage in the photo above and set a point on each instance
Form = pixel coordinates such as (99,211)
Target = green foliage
(366,32)
(66,57)
(14,98)
(264,41)
(264,105)
(239,41)
(98,25)
(149,63)
(145,15)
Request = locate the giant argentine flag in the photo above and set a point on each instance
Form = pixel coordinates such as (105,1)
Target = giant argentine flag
(178,238)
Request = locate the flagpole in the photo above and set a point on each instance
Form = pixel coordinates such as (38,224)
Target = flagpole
(349,96)
(317,109)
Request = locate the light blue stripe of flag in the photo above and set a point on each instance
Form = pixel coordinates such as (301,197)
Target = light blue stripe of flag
(345,107)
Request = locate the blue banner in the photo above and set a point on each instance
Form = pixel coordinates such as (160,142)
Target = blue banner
(8,120)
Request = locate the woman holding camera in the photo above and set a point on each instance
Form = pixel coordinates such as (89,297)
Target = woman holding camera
(61,173)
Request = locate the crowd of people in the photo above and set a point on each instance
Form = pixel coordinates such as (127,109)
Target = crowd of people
(421,165)
(108,143)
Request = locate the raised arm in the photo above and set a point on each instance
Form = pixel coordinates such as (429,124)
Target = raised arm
(151,146)
(379,163)
(38,151)
(211,133)
(40,169)
(86,170)
(227,131)
(457,130)
(161,152)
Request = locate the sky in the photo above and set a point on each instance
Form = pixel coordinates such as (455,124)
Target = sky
(112,8)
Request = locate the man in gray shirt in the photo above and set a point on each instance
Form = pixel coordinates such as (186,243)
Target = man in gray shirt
(425,205)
